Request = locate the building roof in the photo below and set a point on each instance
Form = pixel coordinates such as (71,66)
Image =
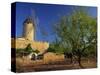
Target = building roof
(28,20)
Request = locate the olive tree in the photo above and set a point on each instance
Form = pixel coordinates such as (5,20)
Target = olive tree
(77,33)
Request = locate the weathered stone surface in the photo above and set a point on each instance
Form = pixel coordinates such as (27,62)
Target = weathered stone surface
(22,43)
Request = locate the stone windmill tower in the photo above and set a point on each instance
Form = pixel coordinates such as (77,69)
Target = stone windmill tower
(29,29)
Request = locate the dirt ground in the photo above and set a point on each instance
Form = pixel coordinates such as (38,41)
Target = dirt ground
(26,65)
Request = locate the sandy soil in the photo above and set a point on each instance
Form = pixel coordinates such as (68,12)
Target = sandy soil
(26,65)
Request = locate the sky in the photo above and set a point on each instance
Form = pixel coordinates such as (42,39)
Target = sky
(44,15)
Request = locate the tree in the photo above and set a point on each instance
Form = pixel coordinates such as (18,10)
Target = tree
(77,33)
(29,49)
(56,47)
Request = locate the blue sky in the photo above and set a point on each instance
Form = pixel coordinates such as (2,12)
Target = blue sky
(45,15)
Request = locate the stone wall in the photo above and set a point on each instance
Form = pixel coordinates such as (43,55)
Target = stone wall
(53,57)
(22,43)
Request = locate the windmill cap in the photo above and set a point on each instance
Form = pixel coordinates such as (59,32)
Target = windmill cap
(28,20)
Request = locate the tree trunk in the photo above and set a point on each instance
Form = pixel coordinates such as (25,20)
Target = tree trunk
(71,60)
(79,61)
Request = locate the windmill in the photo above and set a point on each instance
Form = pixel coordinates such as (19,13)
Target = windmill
(35,20)
(37,26)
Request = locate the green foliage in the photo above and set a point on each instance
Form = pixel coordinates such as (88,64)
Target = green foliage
(50,49)
(55,47)
(36,51)
(20,50)
(77,33)
(28,48)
